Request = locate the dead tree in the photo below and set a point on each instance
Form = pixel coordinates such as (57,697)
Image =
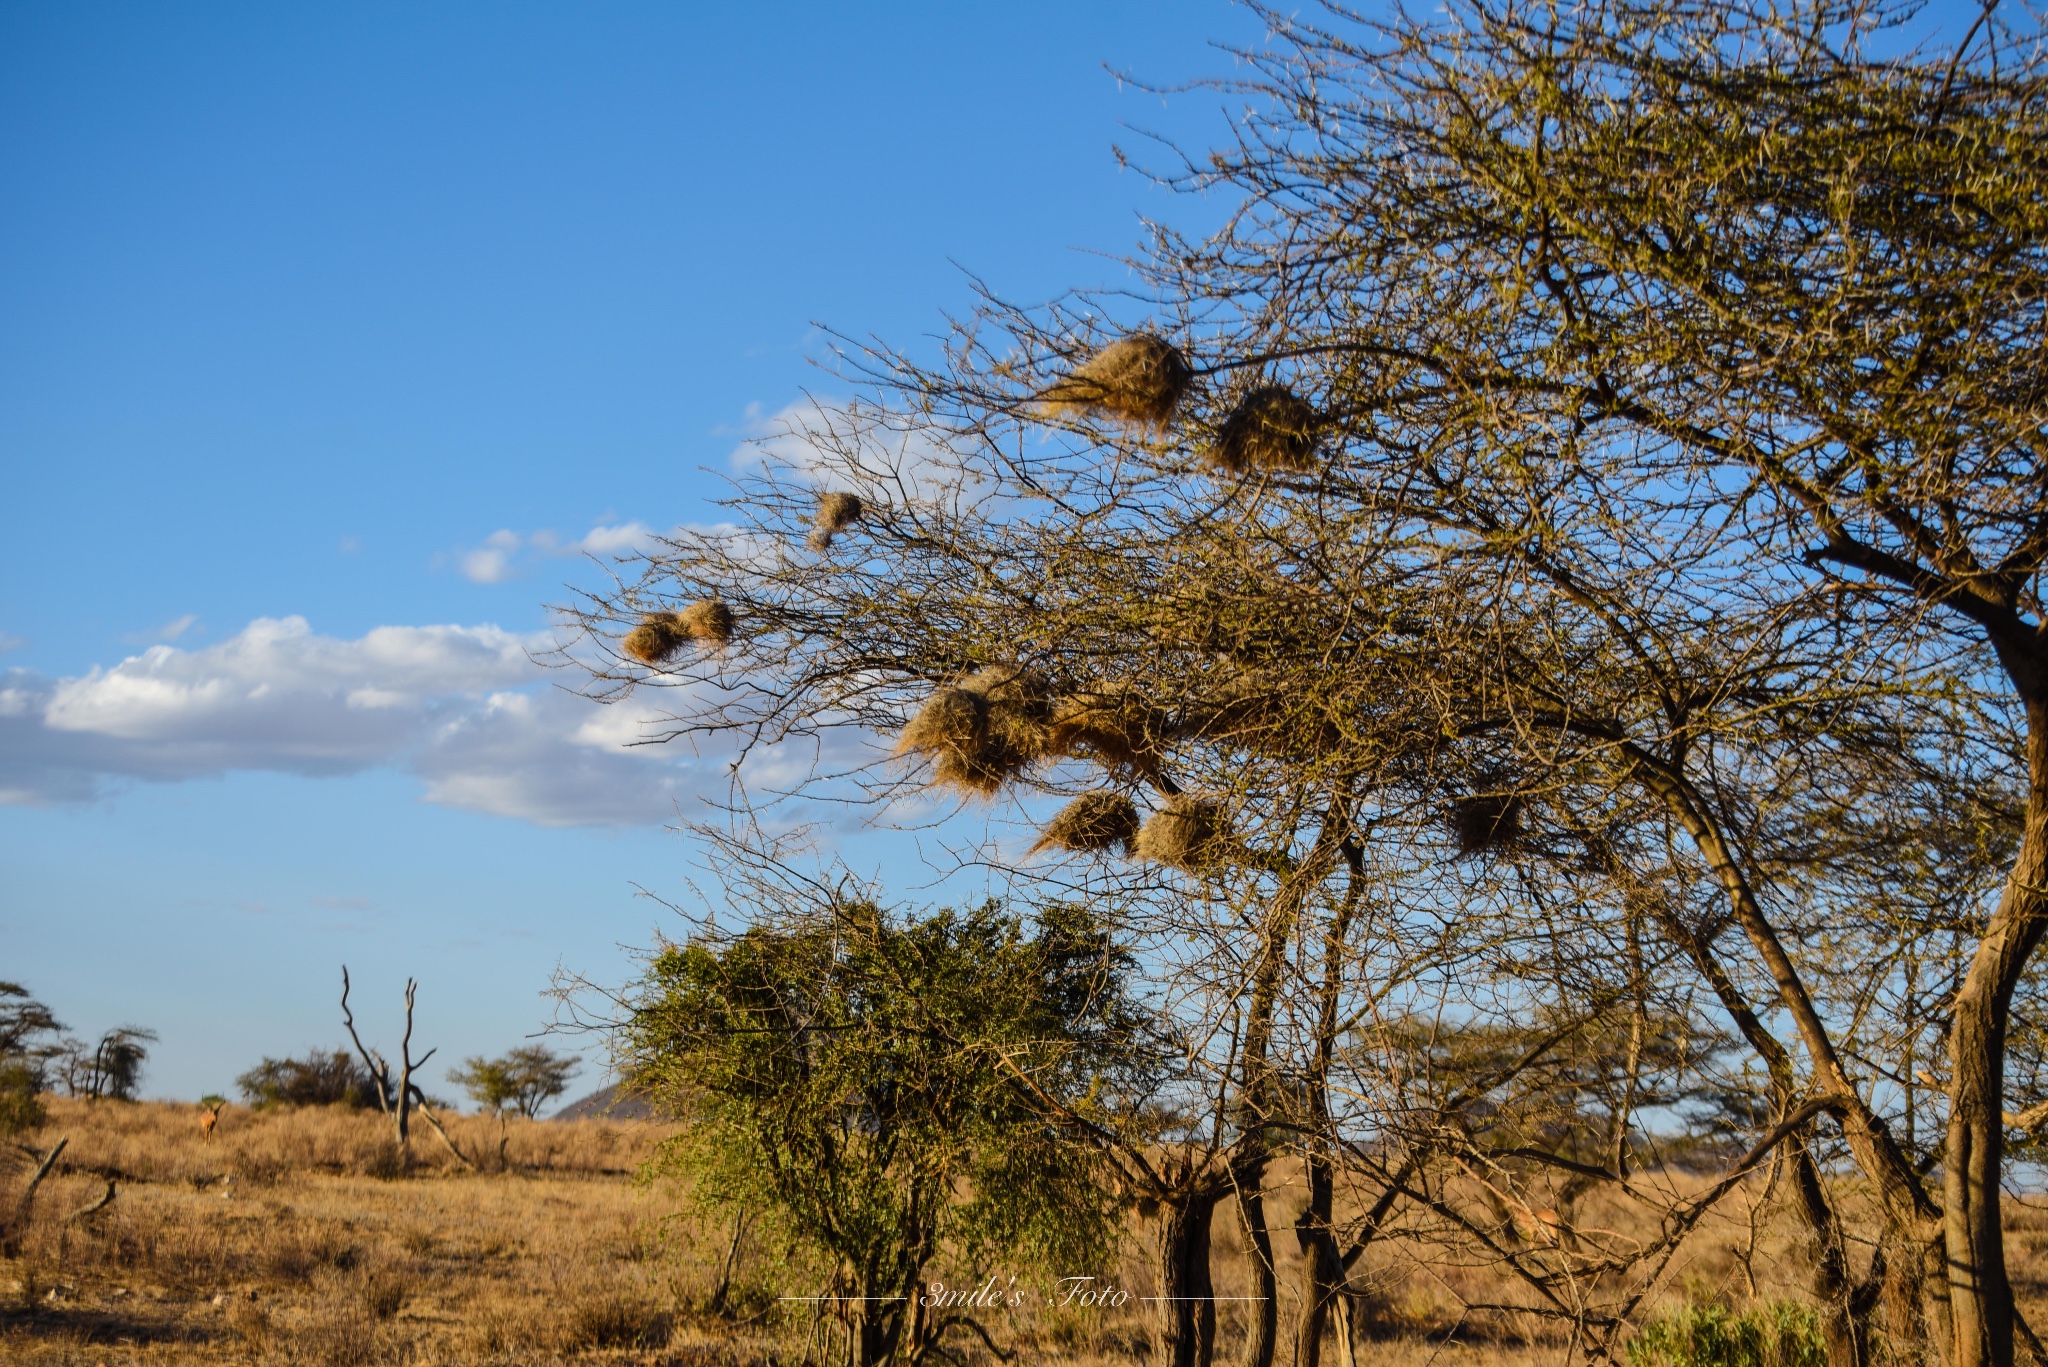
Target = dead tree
(397,1100)
(24,1207)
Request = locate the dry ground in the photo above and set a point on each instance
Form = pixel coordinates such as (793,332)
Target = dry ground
(292,1237)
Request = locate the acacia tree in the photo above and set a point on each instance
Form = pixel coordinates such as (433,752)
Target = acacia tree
(525,1079)
(883,1084)
(1612,430)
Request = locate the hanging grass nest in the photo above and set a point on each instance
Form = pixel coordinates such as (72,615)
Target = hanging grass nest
(836,512)
(1486,821)
(1188,833)
(661,634)
(1091,823)
(982,731)
(658,637)
(1270,429)
(1139,379)
(709,622)
(1119,730)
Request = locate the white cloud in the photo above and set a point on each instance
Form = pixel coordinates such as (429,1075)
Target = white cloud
(504,553)
(837,446)
(491,563)
(620,540)
(465,708)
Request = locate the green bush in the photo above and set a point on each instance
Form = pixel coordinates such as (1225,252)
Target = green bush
(1781,1334)
(21,1106)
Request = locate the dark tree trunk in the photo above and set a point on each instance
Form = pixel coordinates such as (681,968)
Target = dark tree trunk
(1262,1335)
(1979,1296)
(1322,1275)
(1847,1334)
(1187,1306)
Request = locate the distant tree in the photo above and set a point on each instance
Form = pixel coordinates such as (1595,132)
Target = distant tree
(523,1080)
(23,1021)
(879,1085)
(111,1069)
(319,1079)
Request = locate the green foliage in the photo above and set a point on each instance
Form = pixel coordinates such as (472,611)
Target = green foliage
(318,1079)
(525,1079)
(886,1087)
(21,1105)
(1780,1334)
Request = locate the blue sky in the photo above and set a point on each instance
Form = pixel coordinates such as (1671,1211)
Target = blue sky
(331,335)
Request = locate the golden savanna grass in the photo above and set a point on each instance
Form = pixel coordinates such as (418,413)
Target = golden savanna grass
(293,1237)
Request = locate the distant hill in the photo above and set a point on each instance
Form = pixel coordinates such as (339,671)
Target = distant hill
(608,1103)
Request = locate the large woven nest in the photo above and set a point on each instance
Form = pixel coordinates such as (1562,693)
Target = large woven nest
(1138,379)
(984,730)
(1091,823)
(661,634)
(709,622)
(1190,833)
(1270,429)
(836,512)
(1486,821)
(1122,731)
(657,638)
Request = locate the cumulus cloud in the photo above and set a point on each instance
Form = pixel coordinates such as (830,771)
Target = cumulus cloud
(505,554)
(466,709)
(839,446)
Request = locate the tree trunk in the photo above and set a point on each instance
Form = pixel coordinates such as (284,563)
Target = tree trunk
(1187,1305)
(1979,1296)
(1847,1337)
(1262,1335)
(1323,1273)
(1322,1268)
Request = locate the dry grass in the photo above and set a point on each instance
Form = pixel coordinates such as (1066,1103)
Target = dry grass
(287,1239)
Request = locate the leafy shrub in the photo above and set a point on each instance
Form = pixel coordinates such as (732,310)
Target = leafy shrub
(318,1079)
(21,1106)
(1781,1334)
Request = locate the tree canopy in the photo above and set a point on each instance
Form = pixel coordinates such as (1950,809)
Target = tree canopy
(1566,550)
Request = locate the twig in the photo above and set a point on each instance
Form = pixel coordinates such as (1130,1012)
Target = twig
(380,1072)
(419,1099)
(92,1207)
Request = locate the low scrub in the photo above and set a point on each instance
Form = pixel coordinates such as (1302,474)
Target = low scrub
(1779,1334)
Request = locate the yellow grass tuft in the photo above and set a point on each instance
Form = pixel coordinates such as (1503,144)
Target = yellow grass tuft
(661,634)
(1121,731)
(1139,379)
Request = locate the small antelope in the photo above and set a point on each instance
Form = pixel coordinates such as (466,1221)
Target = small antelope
(1539,1226)
(210,1116)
